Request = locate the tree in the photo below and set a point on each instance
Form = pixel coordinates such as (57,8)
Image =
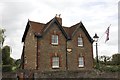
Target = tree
(17,63)
(116,59)
(7,61)
(104,59)
(6,55)
(2,37)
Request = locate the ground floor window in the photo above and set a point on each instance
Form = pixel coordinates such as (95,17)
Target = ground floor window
(81,61)
(55,62)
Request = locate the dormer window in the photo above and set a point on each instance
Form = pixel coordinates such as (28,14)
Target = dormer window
(80,41)
(55,39)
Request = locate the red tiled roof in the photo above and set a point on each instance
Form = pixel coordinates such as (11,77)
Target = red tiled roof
(70,30)
(37,27)
(66,30)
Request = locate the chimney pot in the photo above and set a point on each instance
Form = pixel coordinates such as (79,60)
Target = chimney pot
(58,18)
(59,15)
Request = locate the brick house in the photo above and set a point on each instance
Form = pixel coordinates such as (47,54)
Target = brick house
(53,47)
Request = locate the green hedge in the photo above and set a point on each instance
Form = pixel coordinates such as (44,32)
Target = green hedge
(7,68)
(110,68)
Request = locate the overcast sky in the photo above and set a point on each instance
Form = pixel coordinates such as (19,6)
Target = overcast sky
(96,16)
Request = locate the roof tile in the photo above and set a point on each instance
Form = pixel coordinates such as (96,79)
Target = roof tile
(37,27)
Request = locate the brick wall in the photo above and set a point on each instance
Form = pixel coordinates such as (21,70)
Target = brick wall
(67,75)
(39,52)
(30,50)
(85,51)
(88,75)
(47,50)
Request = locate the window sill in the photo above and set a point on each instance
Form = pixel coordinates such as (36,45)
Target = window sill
(55,67)
(81,66)
(80,45)
(55,44)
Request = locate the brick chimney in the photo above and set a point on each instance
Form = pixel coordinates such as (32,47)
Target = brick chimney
(59,18)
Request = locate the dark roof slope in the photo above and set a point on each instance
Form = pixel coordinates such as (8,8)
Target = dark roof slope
(86,32)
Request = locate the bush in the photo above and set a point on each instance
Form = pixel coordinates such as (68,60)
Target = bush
(110,68)
(7,68)
(119,68)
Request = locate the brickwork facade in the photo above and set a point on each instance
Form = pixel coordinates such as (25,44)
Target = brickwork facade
(84,51)
(39,50)
(47,50)
(30,50)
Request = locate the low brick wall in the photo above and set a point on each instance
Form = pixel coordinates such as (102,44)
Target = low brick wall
(9,76)
(70,75)
(77,74)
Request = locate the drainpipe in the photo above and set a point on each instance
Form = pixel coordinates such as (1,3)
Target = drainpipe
(37,55)
(38,36)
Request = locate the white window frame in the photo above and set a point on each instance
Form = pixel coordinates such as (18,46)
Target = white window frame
(80,41)
(55,62)
(55,39)
(81,62)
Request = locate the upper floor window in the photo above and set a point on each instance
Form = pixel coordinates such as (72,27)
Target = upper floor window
(80,41)
(81,62)
(55,62)
(55,39)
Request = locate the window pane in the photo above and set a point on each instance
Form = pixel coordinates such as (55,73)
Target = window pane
(81,62)
(80,41)
(55,62)
(54,39)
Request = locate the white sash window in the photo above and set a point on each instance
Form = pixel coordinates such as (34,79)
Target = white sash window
(55,39)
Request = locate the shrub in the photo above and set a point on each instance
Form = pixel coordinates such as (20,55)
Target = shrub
(7,68)
(110,68)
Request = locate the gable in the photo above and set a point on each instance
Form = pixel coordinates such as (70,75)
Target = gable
(55,21)
(86,32)
(36,27)
(81,26)
(71,31)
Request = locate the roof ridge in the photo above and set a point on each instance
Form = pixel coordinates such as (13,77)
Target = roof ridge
(75,24)
(36,22)
(65,27)
(49,21)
